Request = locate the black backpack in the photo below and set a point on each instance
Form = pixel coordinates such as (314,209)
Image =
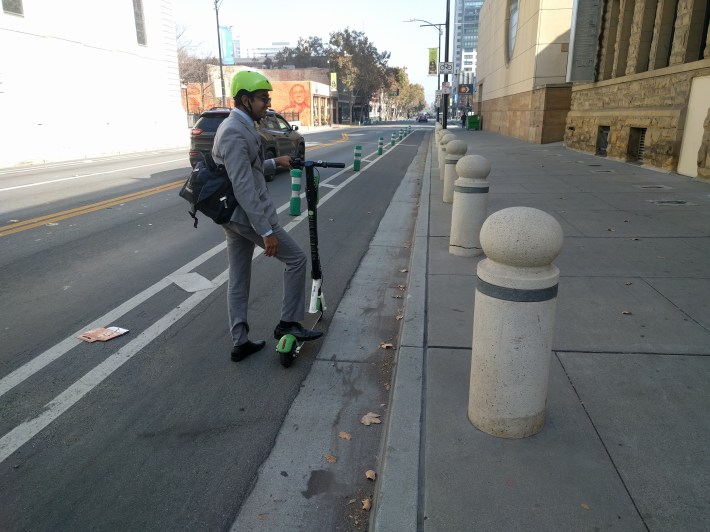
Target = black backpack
(209,190)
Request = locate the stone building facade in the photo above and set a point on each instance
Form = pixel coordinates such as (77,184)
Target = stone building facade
(650,55)
(522,63)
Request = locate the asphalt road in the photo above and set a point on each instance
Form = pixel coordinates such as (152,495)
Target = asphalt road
(156,429)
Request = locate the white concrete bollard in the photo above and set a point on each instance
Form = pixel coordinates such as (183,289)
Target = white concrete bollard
(438,132)
(470,206)
(513,322)
(455,149)
(445,139)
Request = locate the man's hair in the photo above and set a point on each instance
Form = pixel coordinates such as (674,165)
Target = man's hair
(238,97)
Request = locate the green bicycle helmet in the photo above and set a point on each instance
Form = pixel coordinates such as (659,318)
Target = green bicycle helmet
(250,82)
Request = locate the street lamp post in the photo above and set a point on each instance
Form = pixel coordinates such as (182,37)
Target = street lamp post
(438,75)
(219,50)
(446,59)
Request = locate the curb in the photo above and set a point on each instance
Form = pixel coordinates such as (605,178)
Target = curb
(396,500)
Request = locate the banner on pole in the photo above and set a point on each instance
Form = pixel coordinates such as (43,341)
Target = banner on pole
(433,61)
(227,45)
(333,82)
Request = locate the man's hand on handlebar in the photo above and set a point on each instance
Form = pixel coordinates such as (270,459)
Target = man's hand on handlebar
(285,161)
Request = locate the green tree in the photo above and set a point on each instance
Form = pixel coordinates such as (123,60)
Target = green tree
(359,65)
(308,53)
(195,70)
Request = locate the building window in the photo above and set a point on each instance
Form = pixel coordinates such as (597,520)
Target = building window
(637,144)
(602,140)
(140,22)
(12,6)
(512,26)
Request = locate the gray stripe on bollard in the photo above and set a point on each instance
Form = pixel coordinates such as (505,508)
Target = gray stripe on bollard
(471,190)
(517,294)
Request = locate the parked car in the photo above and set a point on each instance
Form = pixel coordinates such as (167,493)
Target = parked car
(278,137)
(422,118)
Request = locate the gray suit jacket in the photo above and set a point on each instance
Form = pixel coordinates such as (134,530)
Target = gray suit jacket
(236,144)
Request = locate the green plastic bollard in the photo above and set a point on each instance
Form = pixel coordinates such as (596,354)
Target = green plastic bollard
(295,203)
(358,155)
(380,144)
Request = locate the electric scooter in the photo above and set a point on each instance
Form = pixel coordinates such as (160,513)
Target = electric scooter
(288,346)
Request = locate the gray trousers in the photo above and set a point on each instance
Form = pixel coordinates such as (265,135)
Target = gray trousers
(241,240)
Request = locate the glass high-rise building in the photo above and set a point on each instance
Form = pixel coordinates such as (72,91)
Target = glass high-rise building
(466,13)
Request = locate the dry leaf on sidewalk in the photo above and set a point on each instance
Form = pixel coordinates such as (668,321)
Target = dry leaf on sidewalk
(370,418)
(627,313)
(370,474)
(404,270)
(386,345)
(344,435)
(585,506)
(366,504)
(330,458)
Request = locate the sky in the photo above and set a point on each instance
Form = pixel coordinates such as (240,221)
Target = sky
(382,21)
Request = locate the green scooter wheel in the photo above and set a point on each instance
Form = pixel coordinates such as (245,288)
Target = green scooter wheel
(287,349)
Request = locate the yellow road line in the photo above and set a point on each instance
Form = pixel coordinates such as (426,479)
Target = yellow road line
(58,216)
(78,211)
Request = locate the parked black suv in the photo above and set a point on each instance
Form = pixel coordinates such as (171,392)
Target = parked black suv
(278,137)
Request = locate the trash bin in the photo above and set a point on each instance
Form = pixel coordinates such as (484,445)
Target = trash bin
(474,122)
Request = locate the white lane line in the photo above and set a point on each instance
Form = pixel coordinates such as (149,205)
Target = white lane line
(17,170)
(88,175)
(21,434)
(27,430)
(8,382)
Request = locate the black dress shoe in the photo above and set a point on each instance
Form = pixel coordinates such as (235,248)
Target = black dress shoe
(240,352)
(299,331)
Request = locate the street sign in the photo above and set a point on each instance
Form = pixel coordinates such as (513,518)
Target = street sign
(445,90)
(446,68)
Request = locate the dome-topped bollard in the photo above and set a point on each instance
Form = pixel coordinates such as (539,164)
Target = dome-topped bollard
(470,205)
(455,149)
(445,139)
(513,322)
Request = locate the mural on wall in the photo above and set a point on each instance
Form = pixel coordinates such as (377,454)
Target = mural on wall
(292,99)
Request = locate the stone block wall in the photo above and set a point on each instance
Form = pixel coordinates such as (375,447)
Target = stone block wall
(704,151)
(655,100)
(536,116)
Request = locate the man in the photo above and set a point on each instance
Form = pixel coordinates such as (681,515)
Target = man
(237,146)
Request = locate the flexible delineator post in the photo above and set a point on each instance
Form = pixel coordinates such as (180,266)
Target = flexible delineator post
(295,203)
(357,161)
(380,144)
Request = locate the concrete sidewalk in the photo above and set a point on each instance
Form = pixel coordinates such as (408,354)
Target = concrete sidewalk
(625,442)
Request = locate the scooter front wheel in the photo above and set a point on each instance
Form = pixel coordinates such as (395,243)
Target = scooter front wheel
(287,349)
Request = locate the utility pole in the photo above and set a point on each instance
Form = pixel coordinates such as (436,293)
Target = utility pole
(219,50)
(446,59)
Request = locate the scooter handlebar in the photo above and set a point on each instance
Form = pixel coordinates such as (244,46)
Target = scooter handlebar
(300,163)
